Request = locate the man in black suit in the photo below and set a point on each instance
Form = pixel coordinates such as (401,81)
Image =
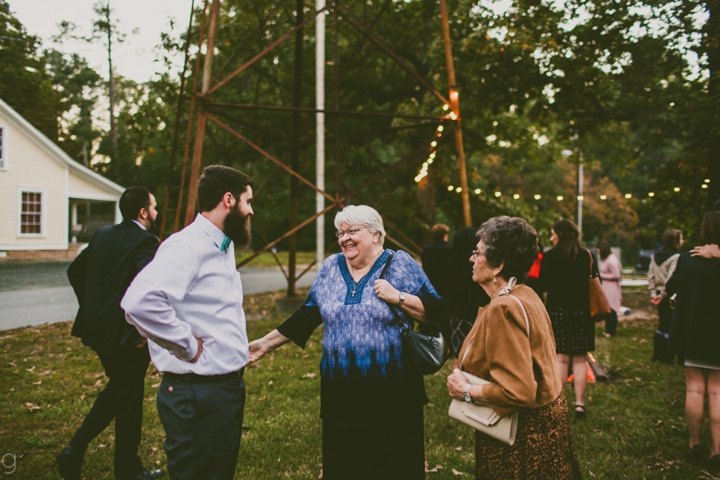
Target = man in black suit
(100,275)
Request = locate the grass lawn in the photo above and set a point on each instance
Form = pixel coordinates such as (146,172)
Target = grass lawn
(266,258)
(635,427)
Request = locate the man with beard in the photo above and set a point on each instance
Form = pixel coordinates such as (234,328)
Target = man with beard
(188,303)
(100,275)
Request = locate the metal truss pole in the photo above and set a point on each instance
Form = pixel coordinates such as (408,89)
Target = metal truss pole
(202,115)
(455,107)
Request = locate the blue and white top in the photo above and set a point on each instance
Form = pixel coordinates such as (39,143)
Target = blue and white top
(362,366)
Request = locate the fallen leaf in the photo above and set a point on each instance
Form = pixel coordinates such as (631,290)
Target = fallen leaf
(13,364)
(638,379)
(45,372)
(98,383)
(459,449)
(592,474)
(38,382)
(435,469)
(310,375)
(270,382)
(156,385)
(455,472)
(31,407)
(30,369)
(82,397)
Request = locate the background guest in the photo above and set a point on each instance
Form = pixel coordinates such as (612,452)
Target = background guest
(611,274)
(695,337)
(564,276)
(518,360)
(464,296)
(435,258)
(662,266)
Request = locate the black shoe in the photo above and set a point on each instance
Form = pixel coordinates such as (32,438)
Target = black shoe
(69,463)
(714,464)
(697,454)
(149,474)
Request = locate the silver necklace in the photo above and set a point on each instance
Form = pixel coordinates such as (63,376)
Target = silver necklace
(352,270)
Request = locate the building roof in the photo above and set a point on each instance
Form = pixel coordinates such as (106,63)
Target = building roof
(56,153)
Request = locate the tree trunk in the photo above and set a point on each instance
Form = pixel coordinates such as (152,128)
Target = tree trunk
(712,46)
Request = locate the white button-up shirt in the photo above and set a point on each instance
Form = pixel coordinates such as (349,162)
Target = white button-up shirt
(191,289)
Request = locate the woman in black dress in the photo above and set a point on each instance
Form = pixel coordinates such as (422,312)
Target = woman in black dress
(564,276)
(464,296)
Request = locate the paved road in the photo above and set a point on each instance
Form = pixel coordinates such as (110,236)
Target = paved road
(35,306)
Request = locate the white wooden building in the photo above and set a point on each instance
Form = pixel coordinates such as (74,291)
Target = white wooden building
(41,188)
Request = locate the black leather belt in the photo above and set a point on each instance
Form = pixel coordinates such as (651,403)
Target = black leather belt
(194,377)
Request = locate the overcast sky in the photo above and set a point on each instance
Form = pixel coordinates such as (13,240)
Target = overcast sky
(134,58)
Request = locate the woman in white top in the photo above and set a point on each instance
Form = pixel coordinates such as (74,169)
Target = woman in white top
(662,266)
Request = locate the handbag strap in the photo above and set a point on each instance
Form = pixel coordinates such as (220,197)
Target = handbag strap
(594,272)
(505,291)
(401,325)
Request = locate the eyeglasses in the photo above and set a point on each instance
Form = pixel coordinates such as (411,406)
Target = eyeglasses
(349,233)
(476,253)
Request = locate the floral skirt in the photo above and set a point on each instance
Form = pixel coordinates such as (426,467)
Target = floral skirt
(543,448)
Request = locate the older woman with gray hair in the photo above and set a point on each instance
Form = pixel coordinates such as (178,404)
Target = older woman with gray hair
(371,398)
(512,346)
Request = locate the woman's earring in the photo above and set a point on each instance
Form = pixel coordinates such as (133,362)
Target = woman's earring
(494,280)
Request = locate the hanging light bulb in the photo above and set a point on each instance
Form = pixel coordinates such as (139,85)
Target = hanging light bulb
(676,189)
(450,188)
(603,197)
(477,191)
(628,195)
(516,196)
(458,189)
(440,128)
(537,196)
(430,160)
(581,197)
(651,194)
(453,116)
(433,143)
(707,180)
(497,194)
(445,107)
(704,185)
(559,198)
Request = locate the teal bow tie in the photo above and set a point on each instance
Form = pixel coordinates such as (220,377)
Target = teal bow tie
(225,245)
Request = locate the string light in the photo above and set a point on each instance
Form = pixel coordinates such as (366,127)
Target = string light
(433,144)
(676,189)
(707,180)
(440,128)
(453,116)
(450,188)
(704,185)
(477,191)
(559,198)
(497,194)
(516,196)
(603,197)
(445,107)
(628,195)
(651,194)
(458,189)
(580,197)
(537,196)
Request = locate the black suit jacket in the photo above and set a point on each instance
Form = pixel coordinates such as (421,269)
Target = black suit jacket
(100,275)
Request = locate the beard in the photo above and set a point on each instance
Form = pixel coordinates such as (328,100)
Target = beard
(237,227)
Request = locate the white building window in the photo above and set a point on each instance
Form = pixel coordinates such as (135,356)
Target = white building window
(2,148)
(31,212)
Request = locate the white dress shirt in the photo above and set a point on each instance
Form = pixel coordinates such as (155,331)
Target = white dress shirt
(191,289)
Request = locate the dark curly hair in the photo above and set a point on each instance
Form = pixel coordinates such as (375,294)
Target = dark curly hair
(510,242)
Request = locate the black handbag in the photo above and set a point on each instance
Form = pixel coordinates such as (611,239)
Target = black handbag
(426,348)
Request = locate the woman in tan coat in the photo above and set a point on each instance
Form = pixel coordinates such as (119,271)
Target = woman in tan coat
(521,368)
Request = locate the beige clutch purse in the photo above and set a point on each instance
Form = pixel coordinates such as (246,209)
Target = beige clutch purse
(483,418)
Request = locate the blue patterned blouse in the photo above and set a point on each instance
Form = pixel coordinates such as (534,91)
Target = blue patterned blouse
(364,378)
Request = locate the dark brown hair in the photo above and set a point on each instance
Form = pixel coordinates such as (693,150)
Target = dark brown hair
(568,237)
(439,231)
(671,239)
(604,248)
(710,228)
(216,181)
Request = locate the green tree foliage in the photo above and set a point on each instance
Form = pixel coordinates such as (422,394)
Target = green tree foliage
(25,84)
